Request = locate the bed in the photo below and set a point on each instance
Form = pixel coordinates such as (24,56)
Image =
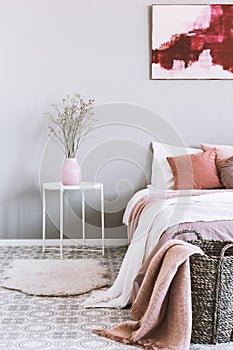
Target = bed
(190,189)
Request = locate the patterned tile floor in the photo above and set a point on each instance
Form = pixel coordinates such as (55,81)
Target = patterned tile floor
(54,323)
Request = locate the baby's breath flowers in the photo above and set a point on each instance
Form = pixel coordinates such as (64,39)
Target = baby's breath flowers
(73,121)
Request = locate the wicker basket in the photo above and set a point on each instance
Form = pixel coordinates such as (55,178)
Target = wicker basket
(212,291)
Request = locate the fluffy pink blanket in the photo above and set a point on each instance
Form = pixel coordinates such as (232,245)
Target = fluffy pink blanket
(161,312)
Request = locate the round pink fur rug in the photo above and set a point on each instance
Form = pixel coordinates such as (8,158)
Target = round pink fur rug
(47,277)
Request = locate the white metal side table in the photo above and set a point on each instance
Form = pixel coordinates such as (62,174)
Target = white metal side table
(83,187)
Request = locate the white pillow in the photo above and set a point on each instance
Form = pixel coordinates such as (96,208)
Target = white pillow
(161,175)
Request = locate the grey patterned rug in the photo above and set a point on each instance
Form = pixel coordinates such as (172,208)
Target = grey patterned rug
(55,277)
(44,323)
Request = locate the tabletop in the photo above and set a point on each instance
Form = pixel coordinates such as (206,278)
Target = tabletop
(82,186)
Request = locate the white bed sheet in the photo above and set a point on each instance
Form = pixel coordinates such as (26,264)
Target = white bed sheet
(151,189)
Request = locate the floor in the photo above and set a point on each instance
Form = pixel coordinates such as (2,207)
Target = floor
(54,323)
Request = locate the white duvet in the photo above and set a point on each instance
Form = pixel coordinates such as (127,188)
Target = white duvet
(154,220)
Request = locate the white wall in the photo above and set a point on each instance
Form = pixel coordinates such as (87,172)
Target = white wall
(100,48)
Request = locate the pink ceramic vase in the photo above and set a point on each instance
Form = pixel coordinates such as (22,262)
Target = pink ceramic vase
(70,172)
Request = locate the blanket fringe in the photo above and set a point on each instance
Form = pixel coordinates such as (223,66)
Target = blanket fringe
(142,344)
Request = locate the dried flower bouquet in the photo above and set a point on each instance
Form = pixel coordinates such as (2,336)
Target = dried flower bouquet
(73,121)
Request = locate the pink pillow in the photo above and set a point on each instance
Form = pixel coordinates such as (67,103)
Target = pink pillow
(223,152)
(195,171)
(227,173)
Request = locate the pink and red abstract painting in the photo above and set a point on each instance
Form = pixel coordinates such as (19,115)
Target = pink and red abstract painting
(192,42)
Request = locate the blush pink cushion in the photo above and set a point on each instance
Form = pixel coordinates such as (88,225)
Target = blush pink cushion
(227,173)
(223,152)
(195,171)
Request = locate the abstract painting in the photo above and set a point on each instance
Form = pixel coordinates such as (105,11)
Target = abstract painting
(192,42)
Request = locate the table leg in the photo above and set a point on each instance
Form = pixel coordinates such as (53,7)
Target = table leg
(61,223)
(83,217)
(102,218)
(44,218)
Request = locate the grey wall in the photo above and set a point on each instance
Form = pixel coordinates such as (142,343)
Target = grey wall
(100,48)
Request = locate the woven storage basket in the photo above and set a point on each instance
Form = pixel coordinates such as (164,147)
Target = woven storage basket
(212,290)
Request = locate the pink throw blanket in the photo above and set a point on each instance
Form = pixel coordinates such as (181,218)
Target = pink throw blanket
(162,312)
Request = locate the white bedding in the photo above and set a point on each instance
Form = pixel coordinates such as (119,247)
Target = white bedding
(151,189)
(154,220)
